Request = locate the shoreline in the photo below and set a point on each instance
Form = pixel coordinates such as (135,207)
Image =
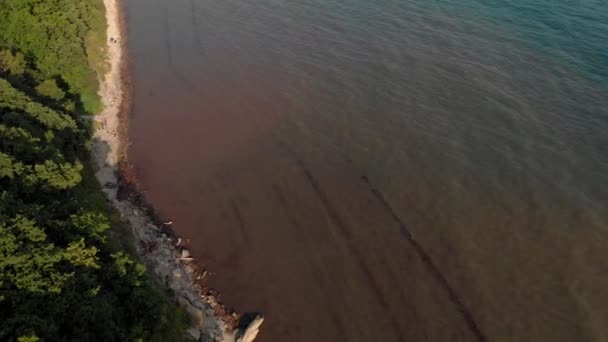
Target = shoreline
(156,244)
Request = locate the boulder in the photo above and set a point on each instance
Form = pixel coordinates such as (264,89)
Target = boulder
(195,333)
(249,333)
(196,314)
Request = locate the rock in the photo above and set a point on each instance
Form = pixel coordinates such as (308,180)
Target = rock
(195,333)
(110,185)
(196,313)
(177,273)
(189,269)
(249,333)
(192,298)
(186,253)
(153,227)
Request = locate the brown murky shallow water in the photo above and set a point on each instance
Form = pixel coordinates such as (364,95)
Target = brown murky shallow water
(356,186)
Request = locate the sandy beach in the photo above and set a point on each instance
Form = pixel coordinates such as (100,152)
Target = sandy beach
(161,251)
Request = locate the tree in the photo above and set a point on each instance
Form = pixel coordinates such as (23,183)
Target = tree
(50,89)
(12,63)
(61,278)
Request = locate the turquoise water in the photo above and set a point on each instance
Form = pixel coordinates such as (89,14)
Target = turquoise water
(383,170)
(574,32)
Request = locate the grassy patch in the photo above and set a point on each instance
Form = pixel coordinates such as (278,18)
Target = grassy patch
(91,102)
(95,40)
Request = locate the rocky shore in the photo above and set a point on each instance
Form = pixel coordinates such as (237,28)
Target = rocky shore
(157,245)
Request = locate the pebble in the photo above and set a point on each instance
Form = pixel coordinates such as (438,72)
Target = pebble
(189,269)
(177,274)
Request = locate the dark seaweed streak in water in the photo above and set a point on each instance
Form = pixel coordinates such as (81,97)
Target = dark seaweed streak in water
(282,200)
(198,42)
(424,256)
(428,262)
(170,60)
(239,219)
(345,232)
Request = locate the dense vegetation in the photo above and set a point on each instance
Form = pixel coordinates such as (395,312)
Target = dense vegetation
(64,272)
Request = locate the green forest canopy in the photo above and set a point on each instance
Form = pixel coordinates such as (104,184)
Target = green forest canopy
(63,275)
(59,40)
